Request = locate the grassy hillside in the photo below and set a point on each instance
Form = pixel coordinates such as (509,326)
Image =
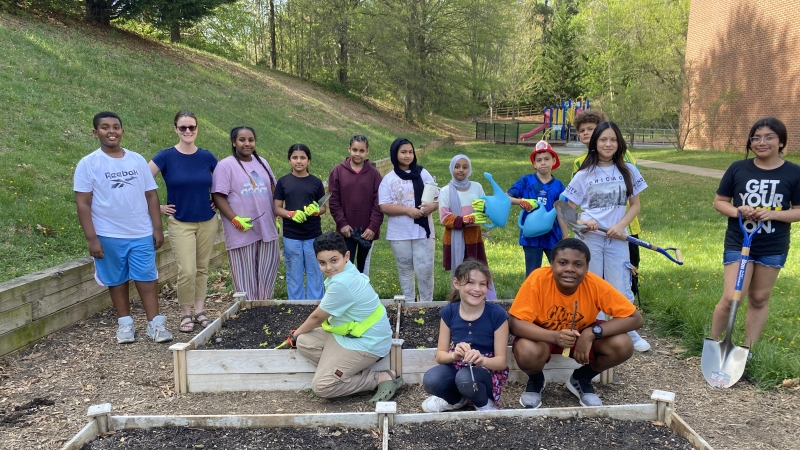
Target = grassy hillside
(56,78)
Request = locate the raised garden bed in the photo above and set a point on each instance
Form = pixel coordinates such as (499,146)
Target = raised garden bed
(642,426)
(202,366)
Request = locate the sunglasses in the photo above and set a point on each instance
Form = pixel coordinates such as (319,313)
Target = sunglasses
(190,128)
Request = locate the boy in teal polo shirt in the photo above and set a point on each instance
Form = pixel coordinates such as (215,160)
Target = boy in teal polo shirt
(348,332)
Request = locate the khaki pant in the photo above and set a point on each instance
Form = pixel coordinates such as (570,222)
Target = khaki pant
(192,243)
(339,371)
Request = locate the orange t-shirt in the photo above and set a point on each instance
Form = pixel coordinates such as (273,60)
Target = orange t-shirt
(540,302)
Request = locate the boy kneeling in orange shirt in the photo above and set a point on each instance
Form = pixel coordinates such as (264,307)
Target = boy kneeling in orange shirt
(541,318)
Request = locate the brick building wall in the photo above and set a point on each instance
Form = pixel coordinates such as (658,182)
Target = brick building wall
(747,51)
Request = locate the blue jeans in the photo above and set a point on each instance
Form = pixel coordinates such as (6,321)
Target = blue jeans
(610,259)
(734,256)
(533,257)
(445,382)
(299,258)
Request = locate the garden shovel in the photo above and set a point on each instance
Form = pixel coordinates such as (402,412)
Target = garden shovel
(570,217)
(722,362)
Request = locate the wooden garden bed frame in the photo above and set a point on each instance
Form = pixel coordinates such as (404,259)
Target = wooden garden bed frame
(385,417)
(222,370)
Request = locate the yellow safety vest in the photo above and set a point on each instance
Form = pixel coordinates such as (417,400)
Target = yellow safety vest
(356,329)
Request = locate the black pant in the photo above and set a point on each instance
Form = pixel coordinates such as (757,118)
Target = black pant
(635,258)
(358,254)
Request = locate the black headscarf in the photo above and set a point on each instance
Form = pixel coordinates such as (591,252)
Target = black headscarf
(415,175)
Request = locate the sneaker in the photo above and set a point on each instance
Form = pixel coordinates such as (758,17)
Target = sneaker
(156,330)
(438,404)
(489,406)
(641,345)
(125,333)
(584,391)
(532,397)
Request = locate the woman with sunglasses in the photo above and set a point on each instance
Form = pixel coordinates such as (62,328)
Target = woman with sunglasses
(762,189)
(190,213)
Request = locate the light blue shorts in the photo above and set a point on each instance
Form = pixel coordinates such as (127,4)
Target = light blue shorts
(733,256)
(125,259)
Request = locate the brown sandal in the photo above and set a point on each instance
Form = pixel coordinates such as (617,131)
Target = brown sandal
(186,327)
(202,322)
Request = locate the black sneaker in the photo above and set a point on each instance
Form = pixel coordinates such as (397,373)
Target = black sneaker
(532,397)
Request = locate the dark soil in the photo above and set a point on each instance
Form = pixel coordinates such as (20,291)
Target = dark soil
(239,438)
(259,327)
(419,327)
(539,433)
(506,433)
(268,326)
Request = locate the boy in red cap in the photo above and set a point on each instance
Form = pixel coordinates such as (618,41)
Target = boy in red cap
(539,189)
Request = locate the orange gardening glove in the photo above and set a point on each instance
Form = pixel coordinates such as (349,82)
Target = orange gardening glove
(528,204)
(242,223)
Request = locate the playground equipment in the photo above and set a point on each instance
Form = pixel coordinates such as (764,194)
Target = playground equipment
(559,118)
(538,129)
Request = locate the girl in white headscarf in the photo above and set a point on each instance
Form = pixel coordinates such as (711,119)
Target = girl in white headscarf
(462,222)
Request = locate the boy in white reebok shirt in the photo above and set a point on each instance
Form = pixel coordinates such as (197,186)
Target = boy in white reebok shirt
(118,210)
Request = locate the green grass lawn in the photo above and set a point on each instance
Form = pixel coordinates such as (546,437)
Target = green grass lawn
(699,158)
(56,78)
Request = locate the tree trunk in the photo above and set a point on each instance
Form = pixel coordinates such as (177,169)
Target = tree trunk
(98,12)
(343,63)
(175,32)
(273,54)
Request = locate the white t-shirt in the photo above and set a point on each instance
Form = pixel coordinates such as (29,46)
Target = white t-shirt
(393,190)
(600,192)
(119,207)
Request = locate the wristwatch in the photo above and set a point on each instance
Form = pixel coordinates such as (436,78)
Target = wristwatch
(598,331)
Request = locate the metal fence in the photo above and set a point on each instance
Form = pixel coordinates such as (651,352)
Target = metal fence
(504,132)
(635,133)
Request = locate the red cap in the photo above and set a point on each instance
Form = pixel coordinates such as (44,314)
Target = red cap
(544,146)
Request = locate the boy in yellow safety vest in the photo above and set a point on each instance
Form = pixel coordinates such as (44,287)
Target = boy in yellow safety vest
(349,330)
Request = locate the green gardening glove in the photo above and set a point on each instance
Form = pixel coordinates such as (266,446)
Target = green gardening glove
(297,216)
(278,224)
(477,217)
(242,223)
(312,209)
(528,204)
(479,205)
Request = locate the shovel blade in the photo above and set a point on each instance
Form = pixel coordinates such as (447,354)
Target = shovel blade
(723,365)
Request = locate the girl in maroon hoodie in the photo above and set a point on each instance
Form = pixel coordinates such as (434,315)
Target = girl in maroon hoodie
(353,185)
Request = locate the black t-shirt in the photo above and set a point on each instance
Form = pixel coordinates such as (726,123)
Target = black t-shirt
(777,189)
(297,192)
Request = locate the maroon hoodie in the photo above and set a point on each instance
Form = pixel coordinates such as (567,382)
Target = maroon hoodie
(354,197)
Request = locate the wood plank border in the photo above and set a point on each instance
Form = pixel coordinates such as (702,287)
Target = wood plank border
(43,302)
(387,412)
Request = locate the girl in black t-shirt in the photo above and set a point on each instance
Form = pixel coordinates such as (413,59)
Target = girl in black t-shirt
(762,189)
(296,196)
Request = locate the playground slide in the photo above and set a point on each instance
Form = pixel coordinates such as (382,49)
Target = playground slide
(534,131)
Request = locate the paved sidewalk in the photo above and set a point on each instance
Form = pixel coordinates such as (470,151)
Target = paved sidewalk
(692,170)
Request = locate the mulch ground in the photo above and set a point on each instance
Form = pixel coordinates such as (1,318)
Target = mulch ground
(46,389)
(505,433)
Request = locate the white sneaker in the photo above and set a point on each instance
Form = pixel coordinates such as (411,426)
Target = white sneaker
(641,345)
(125,333)
(438,404)
(489,406)
(157,331)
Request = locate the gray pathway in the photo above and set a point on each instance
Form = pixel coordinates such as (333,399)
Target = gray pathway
(692,170)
